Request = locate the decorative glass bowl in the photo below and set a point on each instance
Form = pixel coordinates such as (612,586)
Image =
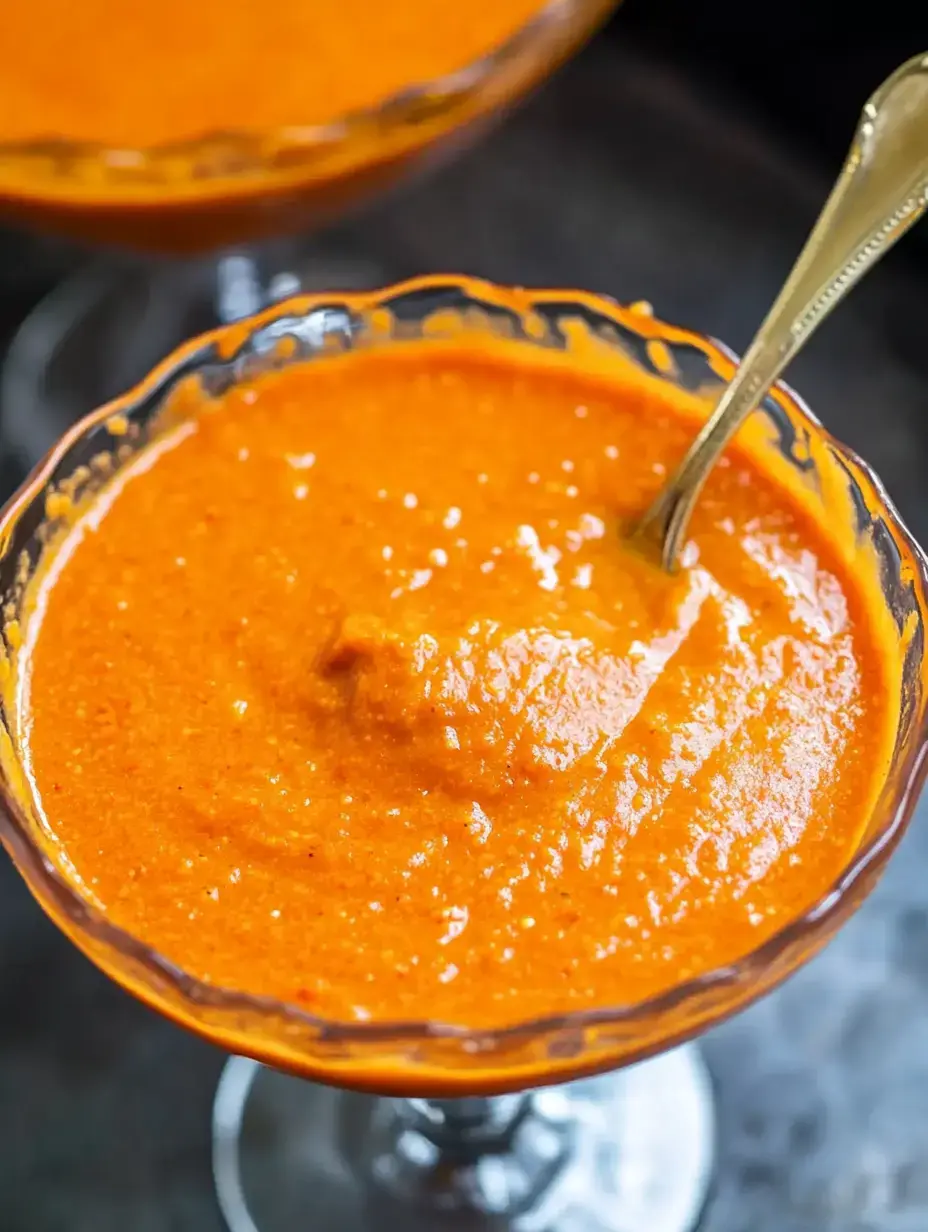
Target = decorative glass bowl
(226,188)
(446,1073)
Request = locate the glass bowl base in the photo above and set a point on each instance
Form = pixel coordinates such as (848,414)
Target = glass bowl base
(627,1152)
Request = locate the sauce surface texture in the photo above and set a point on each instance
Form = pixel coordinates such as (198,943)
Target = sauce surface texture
(141,75)
(347,692)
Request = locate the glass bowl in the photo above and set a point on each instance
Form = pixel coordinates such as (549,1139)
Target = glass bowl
(231,187)
(440,1068)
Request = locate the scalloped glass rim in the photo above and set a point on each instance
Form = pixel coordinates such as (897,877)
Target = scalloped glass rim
(310,324)
(408,118)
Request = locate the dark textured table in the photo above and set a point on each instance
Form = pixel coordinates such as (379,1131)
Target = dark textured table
(618,178)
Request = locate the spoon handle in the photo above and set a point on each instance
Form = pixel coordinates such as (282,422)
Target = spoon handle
(881,192)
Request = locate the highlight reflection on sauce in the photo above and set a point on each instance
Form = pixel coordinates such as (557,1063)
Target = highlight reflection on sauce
(352,696)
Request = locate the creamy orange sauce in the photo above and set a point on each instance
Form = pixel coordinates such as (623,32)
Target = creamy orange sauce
(135,76)
(348,692)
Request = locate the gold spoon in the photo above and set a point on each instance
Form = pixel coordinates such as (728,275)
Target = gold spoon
(881,192)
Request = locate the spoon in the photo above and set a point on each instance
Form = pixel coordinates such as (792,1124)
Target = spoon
(881,191)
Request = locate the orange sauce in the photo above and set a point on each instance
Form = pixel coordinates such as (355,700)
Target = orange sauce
(347,692)
(135,76)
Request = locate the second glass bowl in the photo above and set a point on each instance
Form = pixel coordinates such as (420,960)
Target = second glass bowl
(228,188)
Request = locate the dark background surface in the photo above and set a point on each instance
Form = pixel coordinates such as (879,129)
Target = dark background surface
(803,66)
(659,165)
